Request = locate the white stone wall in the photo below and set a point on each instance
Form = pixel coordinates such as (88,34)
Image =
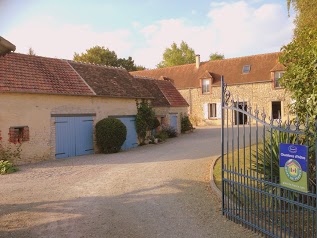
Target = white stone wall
(35,110)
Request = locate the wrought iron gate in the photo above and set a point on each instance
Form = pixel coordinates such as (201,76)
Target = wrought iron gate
(251,190)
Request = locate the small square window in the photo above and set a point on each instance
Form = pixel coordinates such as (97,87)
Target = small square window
(205,86)
(246,69)
(19,134)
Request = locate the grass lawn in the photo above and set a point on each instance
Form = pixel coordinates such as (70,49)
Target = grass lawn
(241,162)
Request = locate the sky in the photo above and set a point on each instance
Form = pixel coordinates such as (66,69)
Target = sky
(143,29)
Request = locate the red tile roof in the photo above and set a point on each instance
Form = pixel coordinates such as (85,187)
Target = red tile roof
(186,76)
(35,74)
(111,81)
(164,92)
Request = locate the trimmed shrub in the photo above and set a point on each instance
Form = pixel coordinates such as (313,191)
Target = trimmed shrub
(110,135)
(186,125)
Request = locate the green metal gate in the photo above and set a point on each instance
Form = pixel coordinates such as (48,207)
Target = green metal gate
(251,190)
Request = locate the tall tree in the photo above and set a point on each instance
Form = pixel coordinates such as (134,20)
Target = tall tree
(177,55)
(216,56)
(300,59)
(102,56)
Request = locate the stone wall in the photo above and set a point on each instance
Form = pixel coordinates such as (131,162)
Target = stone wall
(163,114)
(35,110)
(261,94)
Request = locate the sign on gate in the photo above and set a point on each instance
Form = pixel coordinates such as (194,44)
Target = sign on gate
(294,166)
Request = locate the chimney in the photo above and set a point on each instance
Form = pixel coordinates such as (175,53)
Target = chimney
(197,61)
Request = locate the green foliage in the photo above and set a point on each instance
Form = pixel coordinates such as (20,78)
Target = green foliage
(31,51)
(162,136)
(7,167)
(186,125)
(300,59)
(155,124)
(102,56)
(170,131)
(177,55)
(110,135)
(267,160)
(8,153)
(216,56)
(144,120)
(300,78)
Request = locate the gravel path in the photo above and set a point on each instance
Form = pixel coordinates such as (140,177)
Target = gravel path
(151,191)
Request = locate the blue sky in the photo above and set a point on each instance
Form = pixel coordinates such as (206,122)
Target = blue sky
(144,28)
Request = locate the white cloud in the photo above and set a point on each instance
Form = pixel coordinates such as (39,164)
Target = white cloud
(234,29)
(47,38)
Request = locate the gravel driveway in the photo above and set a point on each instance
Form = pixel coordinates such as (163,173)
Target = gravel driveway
(150,191)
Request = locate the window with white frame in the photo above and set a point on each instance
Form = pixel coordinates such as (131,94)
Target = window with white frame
(246,69)
(277,76)
(205,84)
(212,110)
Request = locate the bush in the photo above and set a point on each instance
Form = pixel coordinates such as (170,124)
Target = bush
(7,154)
(170,131)
(155,124)
(144,120)
(162,136)
(7,167)
(186,125)
(110,135)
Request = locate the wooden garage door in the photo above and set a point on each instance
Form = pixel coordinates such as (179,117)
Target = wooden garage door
(132,139)
(74,136)
(173,121)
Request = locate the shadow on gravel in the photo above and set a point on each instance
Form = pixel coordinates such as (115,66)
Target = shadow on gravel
(179,208)
(203,142)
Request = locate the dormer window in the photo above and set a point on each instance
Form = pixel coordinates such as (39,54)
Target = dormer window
(246,69)
(277,76)
(205,85)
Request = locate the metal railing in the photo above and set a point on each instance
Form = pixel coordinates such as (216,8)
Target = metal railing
(251,190)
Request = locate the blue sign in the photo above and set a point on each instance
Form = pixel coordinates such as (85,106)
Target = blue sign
(294,166)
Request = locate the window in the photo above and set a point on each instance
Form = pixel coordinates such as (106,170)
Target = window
(206,86)
(212,110)
(19,134)
(276,110)
(246,69)
(277,76)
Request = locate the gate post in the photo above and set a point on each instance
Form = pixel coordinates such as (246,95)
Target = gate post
(222,142)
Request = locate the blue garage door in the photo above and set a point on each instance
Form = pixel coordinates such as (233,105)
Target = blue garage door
(173,121)
(132,138)
(74,136)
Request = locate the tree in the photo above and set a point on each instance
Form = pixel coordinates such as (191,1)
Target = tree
(98,55)
(177,55)
(102,56)
(216,56)
(31,51)
(300,59)
(128,64)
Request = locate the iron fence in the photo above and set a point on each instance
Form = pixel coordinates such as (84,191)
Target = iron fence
(251,190)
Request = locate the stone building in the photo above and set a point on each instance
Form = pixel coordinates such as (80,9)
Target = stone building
(254,79)
(50,106)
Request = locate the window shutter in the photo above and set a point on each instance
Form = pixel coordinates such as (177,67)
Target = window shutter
(205,111)
(218,110)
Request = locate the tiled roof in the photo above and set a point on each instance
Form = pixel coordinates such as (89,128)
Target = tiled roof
(164,92)
(186,76)
(35,74)
(110,81)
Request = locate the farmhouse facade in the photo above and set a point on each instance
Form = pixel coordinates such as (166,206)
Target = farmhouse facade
(50,106)
(253,79)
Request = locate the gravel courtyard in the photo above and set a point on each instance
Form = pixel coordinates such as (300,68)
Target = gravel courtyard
(150,191)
